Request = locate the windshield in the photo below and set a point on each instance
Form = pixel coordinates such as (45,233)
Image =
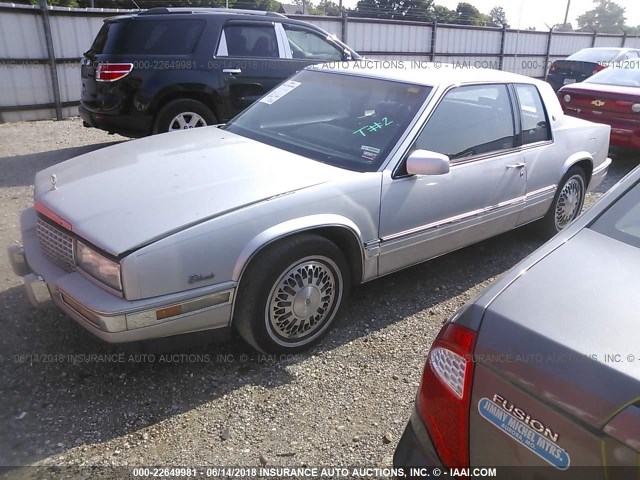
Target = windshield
(344,120)
(626,75)
(622,220)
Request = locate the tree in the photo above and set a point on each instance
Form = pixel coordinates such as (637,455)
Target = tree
(498,16)
(562,27)
(418,10)
(327,7)
(470,15)
(443,14)
(606,17)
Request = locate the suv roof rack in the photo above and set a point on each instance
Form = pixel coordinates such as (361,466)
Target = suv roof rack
(237,11)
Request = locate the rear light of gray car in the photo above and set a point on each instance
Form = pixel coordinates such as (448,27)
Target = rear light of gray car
(110,72)
(445,393)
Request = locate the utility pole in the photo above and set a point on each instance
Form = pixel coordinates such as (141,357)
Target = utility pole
(566,14)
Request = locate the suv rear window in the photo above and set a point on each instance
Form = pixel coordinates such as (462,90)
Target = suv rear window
(151,37)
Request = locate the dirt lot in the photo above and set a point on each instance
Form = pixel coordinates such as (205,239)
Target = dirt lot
(68,399)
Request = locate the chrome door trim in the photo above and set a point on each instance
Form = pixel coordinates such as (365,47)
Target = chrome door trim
(465,216)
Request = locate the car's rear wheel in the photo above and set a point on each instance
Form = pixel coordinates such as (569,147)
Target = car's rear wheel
(183,114)
(567,203)
(291,294)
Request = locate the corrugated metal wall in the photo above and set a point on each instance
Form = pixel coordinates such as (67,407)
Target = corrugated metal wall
(567,43)
(25,74)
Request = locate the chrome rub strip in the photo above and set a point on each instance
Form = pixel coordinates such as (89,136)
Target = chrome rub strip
(474,213)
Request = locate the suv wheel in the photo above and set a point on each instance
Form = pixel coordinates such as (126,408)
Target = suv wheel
(183,114)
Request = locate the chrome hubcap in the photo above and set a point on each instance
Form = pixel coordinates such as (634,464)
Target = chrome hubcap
(302,299)
(186,120)
(569,202)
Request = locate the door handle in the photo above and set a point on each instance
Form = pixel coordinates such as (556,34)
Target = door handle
(517,165)
(233,71)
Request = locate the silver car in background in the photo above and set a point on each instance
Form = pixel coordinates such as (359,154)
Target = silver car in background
(543,368)
(338,176)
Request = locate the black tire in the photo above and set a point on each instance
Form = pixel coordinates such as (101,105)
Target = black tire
(192,112)
(283,271)
(567,203)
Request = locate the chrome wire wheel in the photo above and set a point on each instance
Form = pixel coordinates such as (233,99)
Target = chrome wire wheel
(569,203)
(303,300)
(185,121)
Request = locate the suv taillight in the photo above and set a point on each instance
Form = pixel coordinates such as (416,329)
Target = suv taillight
(552,67)
(445,393)
(110,72)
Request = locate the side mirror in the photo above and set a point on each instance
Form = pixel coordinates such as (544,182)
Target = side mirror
(346,55)
(425,162)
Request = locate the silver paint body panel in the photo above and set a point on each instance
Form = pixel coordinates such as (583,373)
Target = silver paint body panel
(206,200)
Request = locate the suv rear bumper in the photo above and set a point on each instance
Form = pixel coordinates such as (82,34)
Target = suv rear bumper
(127,125)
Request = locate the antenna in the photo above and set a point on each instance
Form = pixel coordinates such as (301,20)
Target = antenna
(138,6)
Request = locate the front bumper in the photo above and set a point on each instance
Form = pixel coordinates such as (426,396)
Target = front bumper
(415,448)
(111,318)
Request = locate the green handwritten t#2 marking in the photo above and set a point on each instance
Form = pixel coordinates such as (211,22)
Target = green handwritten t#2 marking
(373,127)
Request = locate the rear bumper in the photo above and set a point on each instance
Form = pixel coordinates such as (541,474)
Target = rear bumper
(415,448)
(127,125)
(111,318)
(625,137)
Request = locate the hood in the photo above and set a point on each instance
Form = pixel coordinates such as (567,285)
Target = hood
(126,195)
(570,324)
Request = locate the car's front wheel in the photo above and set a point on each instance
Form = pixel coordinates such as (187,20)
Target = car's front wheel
(291,293)
(567,203)
(183,114)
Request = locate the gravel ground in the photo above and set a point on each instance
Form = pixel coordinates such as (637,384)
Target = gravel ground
(344,403)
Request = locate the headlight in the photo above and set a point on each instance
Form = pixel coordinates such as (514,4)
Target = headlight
(98,266)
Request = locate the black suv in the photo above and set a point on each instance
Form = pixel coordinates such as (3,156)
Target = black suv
(168,69)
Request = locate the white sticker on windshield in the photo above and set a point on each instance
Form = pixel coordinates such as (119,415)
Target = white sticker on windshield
(279,92)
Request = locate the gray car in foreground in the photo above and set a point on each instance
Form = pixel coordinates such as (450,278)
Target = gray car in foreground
(543,368)
(340,175)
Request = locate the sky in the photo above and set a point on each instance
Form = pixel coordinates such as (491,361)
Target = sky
(535,13)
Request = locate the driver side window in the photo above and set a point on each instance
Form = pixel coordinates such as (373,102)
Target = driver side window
(307,44)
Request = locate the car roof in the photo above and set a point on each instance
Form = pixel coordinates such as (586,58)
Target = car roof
(427,73)
(620,49)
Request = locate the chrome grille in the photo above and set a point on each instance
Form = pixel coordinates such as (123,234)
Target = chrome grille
(56,245)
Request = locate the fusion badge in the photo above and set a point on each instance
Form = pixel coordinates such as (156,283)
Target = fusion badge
(523,429)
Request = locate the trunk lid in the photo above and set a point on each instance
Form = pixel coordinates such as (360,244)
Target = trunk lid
(557,363)
(610,101)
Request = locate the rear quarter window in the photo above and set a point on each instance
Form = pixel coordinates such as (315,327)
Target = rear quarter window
(535,125)
(153,37)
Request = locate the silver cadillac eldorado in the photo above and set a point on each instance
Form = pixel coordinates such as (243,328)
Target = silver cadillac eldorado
(338,176)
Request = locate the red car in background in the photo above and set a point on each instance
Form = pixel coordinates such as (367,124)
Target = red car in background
(612,96)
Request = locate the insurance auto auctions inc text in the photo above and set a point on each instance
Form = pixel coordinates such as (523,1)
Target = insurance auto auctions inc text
(406,65)
(347,472)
